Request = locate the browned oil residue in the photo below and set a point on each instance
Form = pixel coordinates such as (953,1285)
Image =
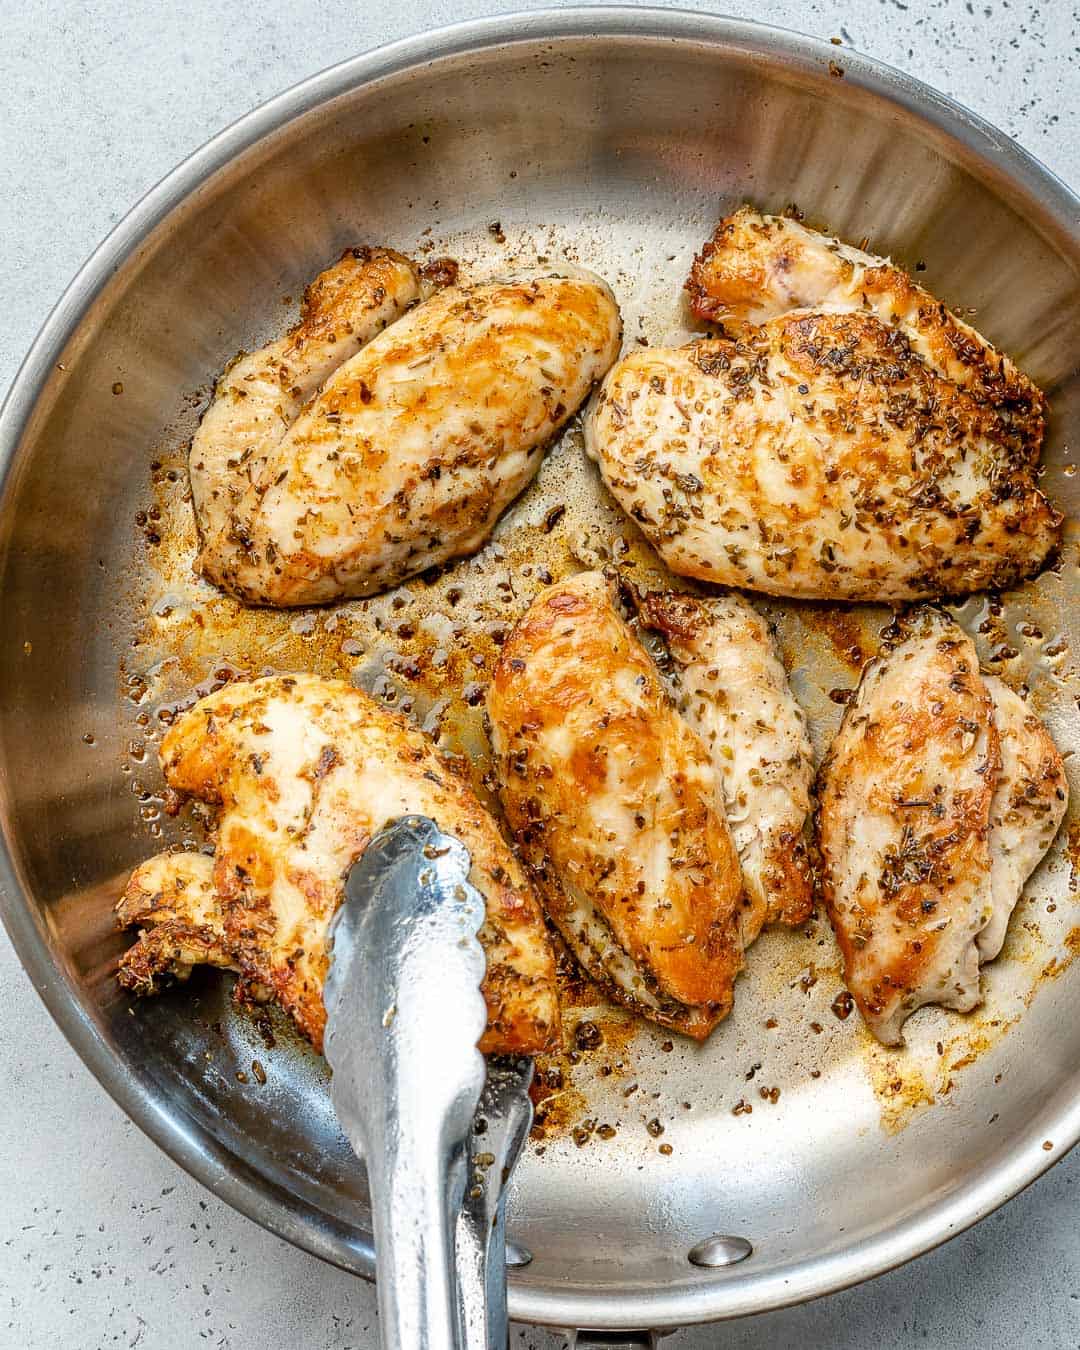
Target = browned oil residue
(1058,964)
(560,1090)
(972,1043)
(841,628)
(907,1082)
(900,1086)
(556,1104)
(1072,852)
(595,1040)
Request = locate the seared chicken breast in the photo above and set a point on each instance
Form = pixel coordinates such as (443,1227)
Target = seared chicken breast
(305,771)
(260,394)
(173,899)
(904,826)
(731,687)
(756,268)
(856,443)
(616,809)
(936,801)
(337,463)
(1027,808)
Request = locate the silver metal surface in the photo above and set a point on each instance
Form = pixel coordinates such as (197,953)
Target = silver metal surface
(720,1250)
(404,1017)
(613,1340)
(439,1129)
(616,137)
(501,1127)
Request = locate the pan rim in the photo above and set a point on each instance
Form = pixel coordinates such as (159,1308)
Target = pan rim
(200,1155)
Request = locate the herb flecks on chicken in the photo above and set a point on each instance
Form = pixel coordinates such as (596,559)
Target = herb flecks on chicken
(382,436)
(845,438)
(305,772)
(616,809)
(939,796)
(729,684)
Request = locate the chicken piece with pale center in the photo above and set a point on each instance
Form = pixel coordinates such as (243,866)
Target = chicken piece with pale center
(730,686)
(305,772)
(386,434)
(619,803)
(940,794)
(846,437)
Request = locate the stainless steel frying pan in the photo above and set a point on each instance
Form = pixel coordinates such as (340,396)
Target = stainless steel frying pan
(615,136)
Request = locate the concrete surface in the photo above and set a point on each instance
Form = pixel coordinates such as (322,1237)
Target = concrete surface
(103,1241)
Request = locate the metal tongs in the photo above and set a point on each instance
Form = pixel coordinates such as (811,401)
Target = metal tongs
(439,1131)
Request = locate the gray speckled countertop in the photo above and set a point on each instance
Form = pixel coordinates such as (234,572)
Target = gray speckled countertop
(103,1241)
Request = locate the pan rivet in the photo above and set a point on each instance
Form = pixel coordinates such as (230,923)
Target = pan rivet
(719,1250)
(516,1255)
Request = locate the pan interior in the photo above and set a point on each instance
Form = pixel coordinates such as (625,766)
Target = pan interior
(620,155)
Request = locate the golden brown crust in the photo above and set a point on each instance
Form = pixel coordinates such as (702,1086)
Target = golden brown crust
(756,267)
(172,900)
(817,455)
(904,825)
(789,878)
(306,772)
(1030,801)
(616,809)
(727,277)
(261,393)
(339,297)
(400,448)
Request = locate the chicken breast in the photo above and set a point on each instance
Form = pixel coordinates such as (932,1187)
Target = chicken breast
(756,268)
(938,797)
(616,809)
(835,449)
(816,457)
(1028,806)
(329,468)
(260,394)
(732,689)
(904,826)
(172,897)
(306,771)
